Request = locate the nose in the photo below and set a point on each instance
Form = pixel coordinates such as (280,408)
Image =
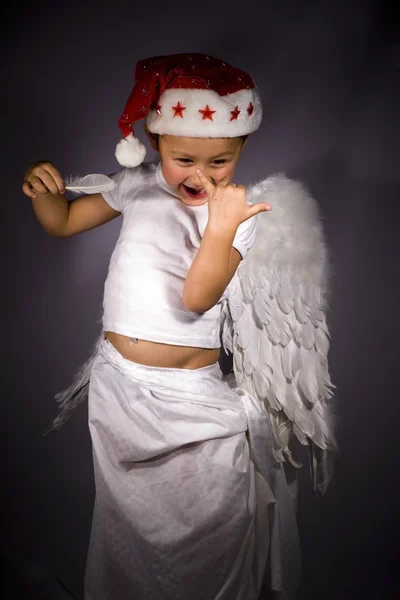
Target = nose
(193,180)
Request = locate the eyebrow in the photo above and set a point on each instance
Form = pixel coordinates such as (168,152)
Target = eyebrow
(227,153)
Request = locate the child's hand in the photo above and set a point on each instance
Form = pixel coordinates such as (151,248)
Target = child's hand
(42,177)
(227,206)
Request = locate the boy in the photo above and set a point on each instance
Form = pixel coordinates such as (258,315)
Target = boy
(181,511)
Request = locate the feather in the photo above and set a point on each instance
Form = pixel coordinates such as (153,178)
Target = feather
(303,439)
(289,362)
(90,184)
(300,310)
(284,298)
(77,392)
(275,326)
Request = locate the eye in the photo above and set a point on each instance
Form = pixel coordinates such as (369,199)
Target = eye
(184,160)
(220,161)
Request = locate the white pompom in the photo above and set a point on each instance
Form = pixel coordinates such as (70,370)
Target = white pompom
(130,152)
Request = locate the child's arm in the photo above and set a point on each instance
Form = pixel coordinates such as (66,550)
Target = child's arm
(211,270)
(216,260)
(60,218)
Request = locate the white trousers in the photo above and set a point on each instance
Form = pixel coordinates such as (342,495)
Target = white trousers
(186,492)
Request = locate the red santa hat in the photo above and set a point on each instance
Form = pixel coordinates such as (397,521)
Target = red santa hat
(192,95)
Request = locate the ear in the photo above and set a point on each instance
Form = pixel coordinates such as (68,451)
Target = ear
(152,137)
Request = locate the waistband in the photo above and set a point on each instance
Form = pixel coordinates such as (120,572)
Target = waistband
(204,384)
(107,348)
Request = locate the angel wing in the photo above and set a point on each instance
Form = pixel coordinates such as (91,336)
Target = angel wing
(90,184)
(78,391)
(274,324)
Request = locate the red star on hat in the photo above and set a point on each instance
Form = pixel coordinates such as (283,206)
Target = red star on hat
(179,110)
(235,113)
(207,113)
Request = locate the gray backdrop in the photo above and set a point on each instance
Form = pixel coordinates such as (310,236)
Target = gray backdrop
(329,76)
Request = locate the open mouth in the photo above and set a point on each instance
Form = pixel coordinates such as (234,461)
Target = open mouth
(194,193)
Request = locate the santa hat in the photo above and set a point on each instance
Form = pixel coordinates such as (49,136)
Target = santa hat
(191,95)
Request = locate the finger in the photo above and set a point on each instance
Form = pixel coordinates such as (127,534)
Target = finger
(56,176)
(35,165)
(38,185)
(223,182)
(46,179)
(206,183)
(26,188)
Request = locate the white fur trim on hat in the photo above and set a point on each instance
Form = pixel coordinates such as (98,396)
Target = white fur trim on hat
(130,151)
(192,124)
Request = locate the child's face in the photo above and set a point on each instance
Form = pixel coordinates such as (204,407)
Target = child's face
(182,156)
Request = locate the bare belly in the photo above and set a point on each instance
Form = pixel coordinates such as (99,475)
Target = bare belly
(154,354)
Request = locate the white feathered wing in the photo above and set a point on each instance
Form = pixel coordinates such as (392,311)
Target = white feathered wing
(274,324)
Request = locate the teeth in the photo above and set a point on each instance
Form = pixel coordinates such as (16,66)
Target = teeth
(194,190)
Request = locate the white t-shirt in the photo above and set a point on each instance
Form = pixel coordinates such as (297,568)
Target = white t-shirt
(158,241)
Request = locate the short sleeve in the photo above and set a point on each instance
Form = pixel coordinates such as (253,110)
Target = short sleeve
(116,197)
(245,236)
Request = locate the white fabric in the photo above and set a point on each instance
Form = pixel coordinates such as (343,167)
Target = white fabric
(158,241)
(192,124)
(188,501)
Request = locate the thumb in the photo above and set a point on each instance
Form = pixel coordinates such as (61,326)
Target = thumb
(254,209)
